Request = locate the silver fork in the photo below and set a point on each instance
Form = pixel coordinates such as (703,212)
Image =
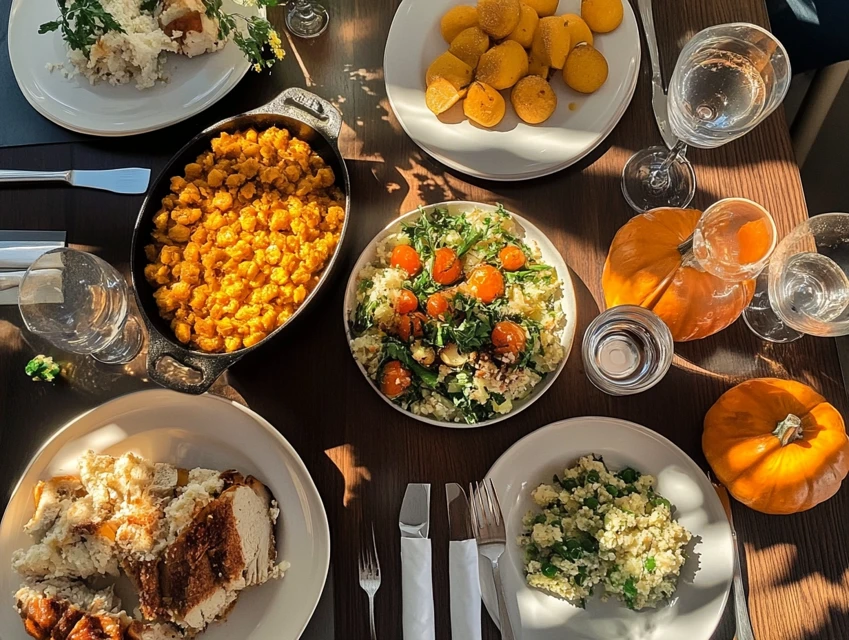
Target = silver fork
(488,525)
(370,577)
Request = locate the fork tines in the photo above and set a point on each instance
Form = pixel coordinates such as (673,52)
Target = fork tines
(369,563)
(487,521)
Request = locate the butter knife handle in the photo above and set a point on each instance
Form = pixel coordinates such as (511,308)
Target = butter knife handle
(647,17)
(9,175)
(741,607)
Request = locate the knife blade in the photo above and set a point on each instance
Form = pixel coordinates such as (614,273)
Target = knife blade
(414,520)
(658,92)
(124,181)
(459,522)
(417,616)
(741,607)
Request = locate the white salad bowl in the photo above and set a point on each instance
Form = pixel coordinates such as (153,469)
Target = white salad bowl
(529,233)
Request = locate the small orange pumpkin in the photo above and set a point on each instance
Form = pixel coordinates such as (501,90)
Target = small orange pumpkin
(777,445)
(648,265)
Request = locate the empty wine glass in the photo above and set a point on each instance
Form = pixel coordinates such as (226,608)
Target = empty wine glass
(79,303)
(805,290)
(728,79)
(306,18)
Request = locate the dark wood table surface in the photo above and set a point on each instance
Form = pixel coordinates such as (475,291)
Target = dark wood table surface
(360,452)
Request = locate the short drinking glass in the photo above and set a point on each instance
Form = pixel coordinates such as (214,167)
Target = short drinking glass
(306,18)
(627,349)
(79,303)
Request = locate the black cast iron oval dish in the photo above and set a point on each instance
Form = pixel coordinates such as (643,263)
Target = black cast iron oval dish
(307,117)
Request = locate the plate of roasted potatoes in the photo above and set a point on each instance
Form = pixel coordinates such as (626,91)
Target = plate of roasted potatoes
(511,89)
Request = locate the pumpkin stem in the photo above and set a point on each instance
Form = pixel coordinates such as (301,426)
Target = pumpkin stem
(686,247)
(788,430)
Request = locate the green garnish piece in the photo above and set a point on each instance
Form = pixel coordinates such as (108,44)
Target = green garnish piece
(629,589)
(549,570)
(42,369)
(570,484)
(394,350)
(259,33)
(629,475)
(540,519)
(581,577)
(613,491)
(591,502)
(82,22)
(532,551)
(650,564)
(592,476)
(589,544)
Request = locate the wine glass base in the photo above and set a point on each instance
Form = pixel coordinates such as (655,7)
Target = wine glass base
(125,347)
(644,191)
(763,321)
(309,23)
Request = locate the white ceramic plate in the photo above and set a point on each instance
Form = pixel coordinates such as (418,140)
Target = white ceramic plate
(705,578)
(513,150)
(106,110)
(191,431)
(550,256)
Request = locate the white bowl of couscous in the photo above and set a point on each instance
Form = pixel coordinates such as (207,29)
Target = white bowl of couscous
(474,328)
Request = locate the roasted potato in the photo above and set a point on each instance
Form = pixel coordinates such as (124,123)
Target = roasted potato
(533,99)
(579,31)
(484,105)
(537,67)
(524,32)
(441,95)
(585,70)
(503,65)
(551,41)
(451,68)
(456,20)
(499,17)
(469,45)
(602,16)
(543,7)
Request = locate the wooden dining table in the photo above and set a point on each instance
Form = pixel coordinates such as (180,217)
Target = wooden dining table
(360,452)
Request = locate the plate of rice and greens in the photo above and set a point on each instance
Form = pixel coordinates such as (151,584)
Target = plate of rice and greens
(122,67)
(612,532)
(460,314)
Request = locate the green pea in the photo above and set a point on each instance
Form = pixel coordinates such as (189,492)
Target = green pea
(591,502)
(540,519)
(629,475)
(650,564)
(628,489)
(592,476)
(569,484)
(613,491)
(589,544)
(549,570)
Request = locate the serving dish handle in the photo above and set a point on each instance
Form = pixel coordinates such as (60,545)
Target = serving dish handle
(308,107)
(208,367)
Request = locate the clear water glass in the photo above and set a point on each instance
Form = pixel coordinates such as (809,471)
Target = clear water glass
(79,303)
(734,239)
(805,290)
(727,80)
(626,350)
(306,18)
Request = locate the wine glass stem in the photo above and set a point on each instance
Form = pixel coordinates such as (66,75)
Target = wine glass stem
(659,179)
(305,9)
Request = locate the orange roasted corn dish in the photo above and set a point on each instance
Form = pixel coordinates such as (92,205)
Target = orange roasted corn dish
(242,238)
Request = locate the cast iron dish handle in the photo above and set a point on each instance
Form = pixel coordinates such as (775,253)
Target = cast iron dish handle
(210,367)
(307,107)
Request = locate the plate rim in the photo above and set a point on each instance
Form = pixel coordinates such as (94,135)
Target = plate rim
(181,114)
(491,608)
(529,175)
(571,329)
(261,421)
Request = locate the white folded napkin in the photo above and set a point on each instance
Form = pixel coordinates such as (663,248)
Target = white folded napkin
(417,589)
(465,590)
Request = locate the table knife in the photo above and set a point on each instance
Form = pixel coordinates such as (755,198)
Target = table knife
(416,566)
(126,181)
(463,574)
(741,608)
(658,93)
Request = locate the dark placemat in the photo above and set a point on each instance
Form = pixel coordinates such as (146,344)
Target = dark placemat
(22,125)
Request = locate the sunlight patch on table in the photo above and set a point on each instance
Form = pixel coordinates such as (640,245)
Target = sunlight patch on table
(354,475)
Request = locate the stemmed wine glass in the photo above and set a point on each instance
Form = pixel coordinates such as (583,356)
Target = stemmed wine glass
(728,79)
(805,290)
(306,18)
(78,303)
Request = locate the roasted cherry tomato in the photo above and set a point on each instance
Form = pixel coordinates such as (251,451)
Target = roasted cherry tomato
(446,266)
(512,258)
(486,283)
(410,326)
(406,302)
(437,305)
(406,258)
(395,380)
(508,338)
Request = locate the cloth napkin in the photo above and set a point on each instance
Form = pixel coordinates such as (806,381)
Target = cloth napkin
(417,589)
(465,590)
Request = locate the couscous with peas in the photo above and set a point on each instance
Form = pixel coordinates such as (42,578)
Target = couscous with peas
(599,529)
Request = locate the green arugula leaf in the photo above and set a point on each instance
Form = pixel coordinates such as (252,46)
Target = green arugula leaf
(394,350)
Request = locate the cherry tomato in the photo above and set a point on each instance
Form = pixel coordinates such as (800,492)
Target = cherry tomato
(446,266)
(406,302)
(410,326)
(508,338)
(437,305)
(405,257)
(486,283)
(512,258)
(395,380)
